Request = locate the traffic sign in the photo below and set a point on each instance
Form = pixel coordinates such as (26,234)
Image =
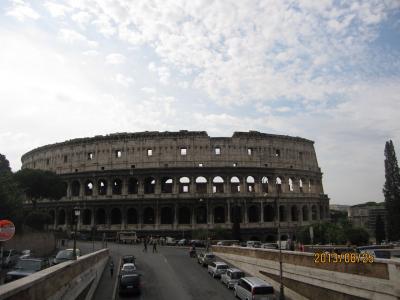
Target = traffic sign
(7,230)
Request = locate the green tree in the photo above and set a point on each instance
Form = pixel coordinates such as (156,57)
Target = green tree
(357,236)
(37,220)
(379,230)
(391,191)
(38,184)
(4,165)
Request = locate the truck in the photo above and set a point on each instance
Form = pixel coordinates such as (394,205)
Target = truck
(125,237)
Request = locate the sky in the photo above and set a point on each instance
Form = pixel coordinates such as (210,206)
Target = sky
(324,70)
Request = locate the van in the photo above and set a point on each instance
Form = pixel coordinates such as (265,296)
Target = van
(253,288)
(253,244)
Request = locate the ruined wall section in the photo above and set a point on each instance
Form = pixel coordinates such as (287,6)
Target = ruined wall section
(131,151)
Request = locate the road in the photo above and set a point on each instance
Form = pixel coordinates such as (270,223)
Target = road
(169,274)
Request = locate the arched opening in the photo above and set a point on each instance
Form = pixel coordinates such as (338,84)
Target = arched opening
(89,188)
(269,213)
(102,187)
(310,185)
(254,238)
(167,215)
(87,217)
(184,215)
(278,183)
(201,185)
(250,184)
(149,185)
(295,213)
(184,184)
(133,186)
(305,213)
(235,185)
(218,184)
(61,217)
(236,214)
(253,214)
(284,237)
(52,214)
(314,213)
(270,238)
(201,215)
(301,185)
(264,185)
(148,215)
(100,216)
(167,184)
(75,188)
(117,187)
(132,216)
(116,216)
(290,185)
(219,214)
(282,213)
(65,191)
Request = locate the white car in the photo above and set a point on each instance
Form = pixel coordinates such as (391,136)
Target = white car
(216,269)
(231,277)
(253,288)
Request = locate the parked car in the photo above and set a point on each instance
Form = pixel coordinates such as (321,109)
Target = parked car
(200,258)
(253,244)
(253,288)
(207,259)
(26,267)
(169,241)
(129,284)
(128,268)
(182,242)
(128,259)
(231,277)
(10,257)
(65,255)
(269,246)
(26,254)
(216,269)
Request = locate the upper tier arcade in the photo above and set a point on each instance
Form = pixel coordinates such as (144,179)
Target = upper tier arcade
(183,149)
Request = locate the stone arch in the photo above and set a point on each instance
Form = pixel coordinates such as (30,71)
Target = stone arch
(301,185)
(282,213)
(75,188)
(167,184)
(314,213)
(52,214)
(102,187)
(201,214)
(131,216)
(201,185)
(167,215)
(184,215)
(149,185)
(253,213)
(101,216)
(294,213)
(61,217)
(278,183)
(290,185)
(89,187)
(236,212)
(310,185)
(86,217)
(184,184)
(269,213)
(148,215)
(264,185)
(133,186)
(250,184)
(235,185)
(117,186)
(219,214)
(218,184)
(305,213)
(116,216)
(65,191)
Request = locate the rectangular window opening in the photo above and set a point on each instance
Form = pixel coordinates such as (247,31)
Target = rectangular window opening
(65,158)
(183,151)
(278,153)
(217,150)
(118,153)
(200,165)
(149,152)
(90,156)
(249,151)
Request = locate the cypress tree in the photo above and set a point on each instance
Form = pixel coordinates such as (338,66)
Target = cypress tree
(391,191)
(379,229)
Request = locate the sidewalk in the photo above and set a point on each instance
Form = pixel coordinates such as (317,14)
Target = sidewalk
(106,284)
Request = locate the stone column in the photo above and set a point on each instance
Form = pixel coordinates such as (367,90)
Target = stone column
(124,186)
(246,217)
(261,211)
(228,219)
(109,186)
(193,216)
(140,185)
(157,188)
(69,188)
(93,216)
(175,215)
(242,184)
(209,185)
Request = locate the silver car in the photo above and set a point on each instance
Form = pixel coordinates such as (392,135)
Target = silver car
(216,269)
(253,288)
(206,258)
(231,277)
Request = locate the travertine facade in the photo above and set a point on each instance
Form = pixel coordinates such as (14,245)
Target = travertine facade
(174,182)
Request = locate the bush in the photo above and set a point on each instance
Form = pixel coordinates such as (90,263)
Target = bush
(37,220)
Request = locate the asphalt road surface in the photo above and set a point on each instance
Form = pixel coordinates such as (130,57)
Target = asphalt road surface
(169,274)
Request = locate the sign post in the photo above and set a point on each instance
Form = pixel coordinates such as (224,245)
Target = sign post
(7,231)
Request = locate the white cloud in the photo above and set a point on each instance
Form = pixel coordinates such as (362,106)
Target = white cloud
(283,109)
(123,80)
(56,9)
(70,36)
(115,59)
(22,11)
(82,18)
(162,72)
(148,90)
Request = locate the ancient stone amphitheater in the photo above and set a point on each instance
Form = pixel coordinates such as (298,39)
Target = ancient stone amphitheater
(171,183)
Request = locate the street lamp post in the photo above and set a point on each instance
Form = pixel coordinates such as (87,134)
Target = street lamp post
(77,212)
(281,293)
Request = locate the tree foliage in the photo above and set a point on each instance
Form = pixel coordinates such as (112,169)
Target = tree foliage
(4,165)
(391,191)
(38,220)
(379,230)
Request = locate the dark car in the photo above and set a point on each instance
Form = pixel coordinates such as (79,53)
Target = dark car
(128,259)
(26,267)
(65,255)
(129,284)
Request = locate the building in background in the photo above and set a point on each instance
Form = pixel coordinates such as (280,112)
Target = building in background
(364,215)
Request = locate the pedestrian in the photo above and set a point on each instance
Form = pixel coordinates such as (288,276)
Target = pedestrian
(145,245)
(154,246)
(111,268)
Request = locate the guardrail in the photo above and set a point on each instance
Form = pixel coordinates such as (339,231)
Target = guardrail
(69,280)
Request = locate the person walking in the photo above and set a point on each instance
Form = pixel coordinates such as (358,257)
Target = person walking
(145,245)
(111,268)
(154,246)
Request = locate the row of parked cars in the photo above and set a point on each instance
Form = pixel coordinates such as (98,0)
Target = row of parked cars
(244,287)
(129,277)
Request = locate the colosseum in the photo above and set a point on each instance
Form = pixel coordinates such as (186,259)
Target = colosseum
(171,183)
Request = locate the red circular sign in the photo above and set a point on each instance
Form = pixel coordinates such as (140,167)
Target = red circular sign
(7,230)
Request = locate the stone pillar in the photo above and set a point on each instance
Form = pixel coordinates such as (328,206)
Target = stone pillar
(228,219)
(175,186)
(124,186)
(157,215)
(193,216)
(246,217)
(157,188)
(109,186)
(93,216)
(226,185)
(261,211)
(192,185)
(69,188)
(242,184)
(140,185)
(209,185)
(123,217)
(175,215)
